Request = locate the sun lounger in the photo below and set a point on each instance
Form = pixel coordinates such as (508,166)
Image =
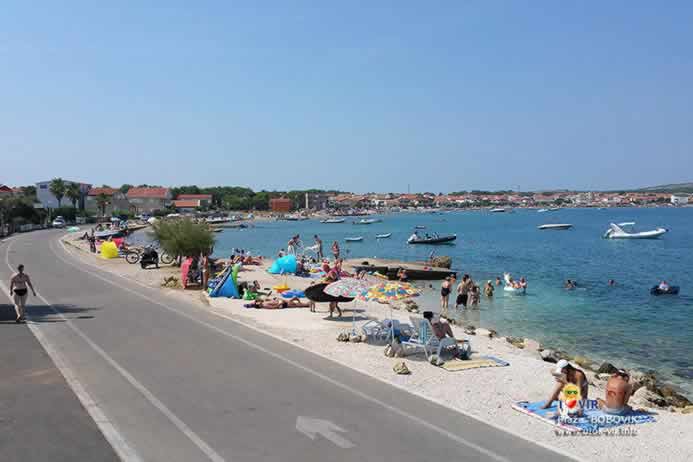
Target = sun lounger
(381,331)
(425,340)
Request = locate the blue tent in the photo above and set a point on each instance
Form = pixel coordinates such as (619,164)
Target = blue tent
(226,287)
(285,264)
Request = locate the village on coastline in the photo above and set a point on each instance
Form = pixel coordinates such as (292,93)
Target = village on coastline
(503,364)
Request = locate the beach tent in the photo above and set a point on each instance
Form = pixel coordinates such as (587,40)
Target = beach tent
(109,250)
(285,264)
(226,287)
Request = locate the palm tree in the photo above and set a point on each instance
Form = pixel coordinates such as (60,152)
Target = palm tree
(102,202)
(73,192)
(57,188)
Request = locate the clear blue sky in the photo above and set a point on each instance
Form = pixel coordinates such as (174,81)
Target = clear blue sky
(441,96)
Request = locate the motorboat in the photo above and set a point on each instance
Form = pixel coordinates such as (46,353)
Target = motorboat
(556,226)
(554,209)
(333,221)
(508,287)
(353,239)
(672,290)
(383,236)
(617,231)
(498,210)
(367,221)
(419,227)
(542,210)
(431,240)
(217,220)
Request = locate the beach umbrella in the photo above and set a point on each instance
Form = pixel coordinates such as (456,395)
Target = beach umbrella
(390,291)
(349,288)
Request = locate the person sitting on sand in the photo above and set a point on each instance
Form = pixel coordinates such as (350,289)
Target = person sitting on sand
(276,304)
(440,329)
(618,391)
(564,374)
(402,275)
(488,289)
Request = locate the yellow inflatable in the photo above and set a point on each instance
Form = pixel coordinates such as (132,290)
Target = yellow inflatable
(109,250)
(281,288)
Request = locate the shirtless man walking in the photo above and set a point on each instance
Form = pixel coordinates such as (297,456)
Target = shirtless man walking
(18,290)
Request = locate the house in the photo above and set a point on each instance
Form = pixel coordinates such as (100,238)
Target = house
(5,191)
(317,201)
(677,199)
(204,200)
(116,201)
(280,204)
(49,201)
(148,200)
(187,205)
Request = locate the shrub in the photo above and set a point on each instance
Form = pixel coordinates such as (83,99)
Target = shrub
(183,238)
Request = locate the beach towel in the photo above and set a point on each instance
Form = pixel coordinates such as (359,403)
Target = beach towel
(293,293)
(593,420)
(475,363)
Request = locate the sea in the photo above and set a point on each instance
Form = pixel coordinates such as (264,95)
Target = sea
(622,324)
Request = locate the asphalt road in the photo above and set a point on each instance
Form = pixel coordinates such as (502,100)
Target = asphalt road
(169,381)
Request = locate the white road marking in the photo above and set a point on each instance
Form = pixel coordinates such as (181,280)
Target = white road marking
(153,400)
(312,427)
(424,423)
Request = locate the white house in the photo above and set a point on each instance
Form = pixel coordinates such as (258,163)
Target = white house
(677,199)
(48,200)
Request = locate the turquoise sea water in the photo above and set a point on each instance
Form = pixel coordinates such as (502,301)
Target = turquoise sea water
(623,324)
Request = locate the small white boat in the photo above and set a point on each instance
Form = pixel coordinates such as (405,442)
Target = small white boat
(498,210)
(367,221)
(383,236)
(510,289)
(616,231)
(542,210)
(556,226)
(554,209)
(353,239)
(333,220)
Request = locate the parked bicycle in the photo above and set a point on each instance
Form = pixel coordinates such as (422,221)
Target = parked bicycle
(134,255)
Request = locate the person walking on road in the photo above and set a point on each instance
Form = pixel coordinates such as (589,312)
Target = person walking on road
(19,291)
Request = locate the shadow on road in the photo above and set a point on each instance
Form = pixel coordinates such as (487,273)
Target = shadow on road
(43,313)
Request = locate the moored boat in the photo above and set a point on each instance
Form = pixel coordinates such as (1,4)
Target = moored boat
(617,231)
(354,239)
(330,221)
(367,221)
(672,290)
(557,226)
(383,236)
(498,210)
(431,240)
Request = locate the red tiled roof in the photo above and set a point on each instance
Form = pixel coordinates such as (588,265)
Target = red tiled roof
(5,188)
(99,191)
(186,203)
(207,197)
(154,193)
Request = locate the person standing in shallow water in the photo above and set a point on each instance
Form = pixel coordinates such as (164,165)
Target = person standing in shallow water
(19,291)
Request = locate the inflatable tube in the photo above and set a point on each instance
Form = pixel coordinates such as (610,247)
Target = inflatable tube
(673,290)
(285,264)
(109,250)
(281,288)
(513,290)
(316,293)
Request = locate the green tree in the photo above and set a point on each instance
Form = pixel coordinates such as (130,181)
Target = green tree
(57,187)
(183,238)
(73,193)
(29,192)
(102,202)
(125,188)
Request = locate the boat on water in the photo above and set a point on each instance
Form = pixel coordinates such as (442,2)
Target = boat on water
(331,221)
(103,235)
(367,221)
(617,231)
(542,210)
(554,209)
(498,210)
(672,290)
(419,227)
(354,239)
(217,220)
(383,236)
(556,226)
(431,240)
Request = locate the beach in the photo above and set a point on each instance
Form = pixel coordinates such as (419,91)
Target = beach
(486,394)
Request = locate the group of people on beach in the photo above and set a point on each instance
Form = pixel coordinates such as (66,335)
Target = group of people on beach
(468,293)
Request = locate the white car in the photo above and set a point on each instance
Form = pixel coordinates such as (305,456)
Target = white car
(59,222)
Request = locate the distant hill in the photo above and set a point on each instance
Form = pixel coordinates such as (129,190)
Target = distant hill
(669,188)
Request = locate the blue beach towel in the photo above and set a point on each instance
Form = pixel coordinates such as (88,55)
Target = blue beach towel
(593,420)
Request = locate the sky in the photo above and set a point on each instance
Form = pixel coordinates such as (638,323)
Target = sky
(359,96)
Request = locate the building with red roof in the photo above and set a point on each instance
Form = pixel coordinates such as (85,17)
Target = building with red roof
(149,200)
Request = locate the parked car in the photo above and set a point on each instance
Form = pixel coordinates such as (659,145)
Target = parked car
(59,222)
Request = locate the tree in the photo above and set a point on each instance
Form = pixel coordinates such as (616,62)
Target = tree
(183,238)
(57,188)
(125,188)
(102,202)
(73,193)
(29,192)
